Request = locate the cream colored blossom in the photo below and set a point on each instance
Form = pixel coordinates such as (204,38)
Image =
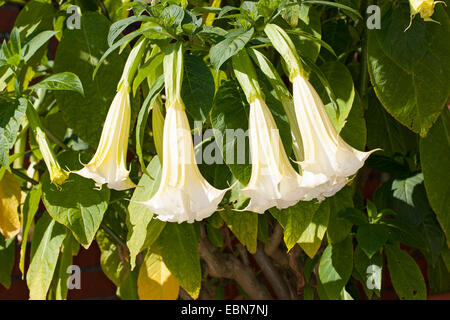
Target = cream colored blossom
(328,159)
(273,181)
(108,166)
(183,194)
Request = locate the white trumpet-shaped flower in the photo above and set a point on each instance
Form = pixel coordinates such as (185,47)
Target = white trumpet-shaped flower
(108,166)
(183,194)
(328,159)
(273,181)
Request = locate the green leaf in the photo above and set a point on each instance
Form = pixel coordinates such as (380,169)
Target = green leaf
(338,227)
(7,258)
(369,271)
(354,216)
(354,131)
(128,289)
(244,226)
(340,80)
(32,46)
(234,41)
(30,208)
(198,88)
(384,132)
(113,261)
(36,16)
(61,81)
(179,250)
(47,239)
(143,116)
(140,221)
(77,204)
(406,276)
(435,158)
(214,236)
(304,223)
(371,237)
(406,197)
(11,114)
(79,52)
(59,287)
(334,4)
(335,268)
(409,70)
(230,106)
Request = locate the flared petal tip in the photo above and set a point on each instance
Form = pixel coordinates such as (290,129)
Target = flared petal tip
(119,185)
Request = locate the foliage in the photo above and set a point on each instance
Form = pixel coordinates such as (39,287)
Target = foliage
(382,88)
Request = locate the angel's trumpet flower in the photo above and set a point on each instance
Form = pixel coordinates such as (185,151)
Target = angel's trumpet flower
(327,159)
(423,7)
(273,181)
(108,166)
(326,155)
(57,175)
(183,193)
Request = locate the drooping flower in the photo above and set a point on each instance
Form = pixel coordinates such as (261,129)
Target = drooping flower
(327,156)
(423,7)
(108,166)
(328,160)
(57,175)
(183,193)
(273,181)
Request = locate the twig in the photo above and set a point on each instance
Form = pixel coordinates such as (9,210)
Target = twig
(222,265)
(271,273)
(24,176)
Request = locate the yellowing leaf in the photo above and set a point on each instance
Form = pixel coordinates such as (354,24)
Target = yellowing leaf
(10,195)
(155,282)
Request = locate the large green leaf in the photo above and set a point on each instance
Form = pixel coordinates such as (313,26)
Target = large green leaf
(7,258)
(244,226)
(406,196)
(354,131)
(79,52)
(143,227)
(47,239)
(113,262)
(371,237)
(77,204)
(198,88)
(304,223)
(435,159)
(11,114)
(339,227)
(59,287)
(335,268)
(179,250)
(409,70)
(341,82)
(61,81)
(234,41)
(406,276)
(30,208)
(369,271)
(385,132)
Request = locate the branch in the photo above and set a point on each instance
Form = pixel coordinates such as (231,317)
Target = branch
(223,265)
(271,273)
(272,246)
